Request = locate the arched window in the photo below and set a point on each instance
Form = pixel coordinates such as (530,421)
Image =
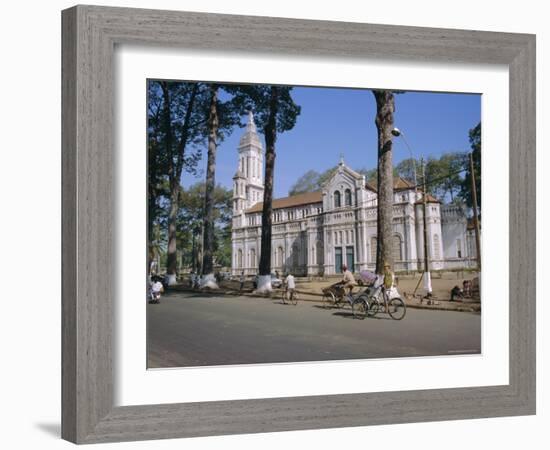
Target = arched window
(337,199)
(348,197)
(240,259)
(319,252)
(436,247)
(373,245)
(280,256)
(295,255)
(253,258)
(397,251)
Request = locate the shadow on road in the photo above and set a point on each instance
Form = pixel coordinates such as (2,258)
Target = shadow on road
(201,295)
(326,308)
(344,314)
(349,315)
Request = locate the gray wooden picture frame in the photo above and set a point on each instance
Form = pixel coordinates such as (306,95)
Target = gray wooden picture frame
(90,34)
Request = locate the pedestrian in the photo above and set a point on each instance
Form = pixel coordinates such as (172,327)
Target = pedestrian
(290,286)
(456,292)
(389,277)
(241,279)
(156,290)
(467,288)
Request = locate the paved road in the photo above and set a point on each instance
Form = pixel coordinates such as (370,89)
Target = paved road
(188,329)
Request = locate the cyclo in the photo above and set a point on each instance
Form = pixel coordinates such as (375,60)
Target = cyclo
(376,298)
(335,295)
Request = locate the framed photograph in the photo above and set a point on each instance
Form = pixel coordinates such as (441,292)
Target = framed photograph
(277,224)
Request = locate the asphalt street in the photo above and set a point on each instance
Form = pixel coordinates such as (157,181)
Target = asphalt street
(193,329)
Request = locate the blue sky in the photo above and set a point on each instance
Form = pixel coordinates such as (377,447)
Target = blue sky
(341,121)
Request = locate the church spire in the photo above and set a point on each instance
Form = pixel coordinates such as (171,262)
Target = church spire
(250,136)
(251,126)
(248,181)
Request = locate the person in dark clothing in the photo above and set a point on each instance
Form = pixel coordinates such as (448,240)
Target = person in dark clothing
(456,292)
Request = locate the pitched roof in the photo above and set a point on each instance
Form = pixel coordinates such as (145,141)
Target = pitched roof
(306,198)
(429,199)
(400,184)
(370,186)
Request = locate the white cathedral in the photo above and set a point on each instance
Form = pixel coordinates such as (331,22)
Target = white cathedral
(315,233)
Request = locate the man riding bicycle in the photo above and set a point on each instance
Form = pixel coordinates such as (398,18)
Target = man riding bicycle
(348,280)
(290,286)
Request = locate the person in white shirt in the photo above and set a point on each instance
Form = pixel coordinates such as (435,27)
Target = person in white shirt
(290,285)
(156,289)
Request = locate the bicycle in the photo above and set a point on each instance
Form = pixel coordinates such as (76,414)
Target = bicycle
(292,298)
(368,305)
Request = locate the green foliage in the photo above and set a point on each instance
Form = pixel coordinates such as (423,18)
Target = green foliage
(257,98)
(326,175)
(311,181)
(466,188)
(445,175)
(308,182)
(371,175)
(406,170)
(191,217)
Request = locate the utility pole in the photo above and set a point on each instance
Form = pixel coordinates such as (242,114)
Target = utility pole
(427,277)
(476,221)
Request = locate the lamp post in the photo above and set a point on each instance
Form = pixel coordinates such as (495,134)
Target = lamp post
(426,274)
(397,132)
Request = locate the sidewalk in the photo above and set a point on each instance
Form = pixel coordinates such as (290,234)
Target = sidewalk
(312,291)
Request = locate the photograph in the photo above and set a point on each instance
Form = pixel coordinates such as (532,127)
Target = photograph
(259,225)
(298,223)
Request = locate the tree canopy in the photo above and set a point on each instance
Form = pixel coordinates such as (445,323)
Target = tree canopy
(447,176)
(466,188)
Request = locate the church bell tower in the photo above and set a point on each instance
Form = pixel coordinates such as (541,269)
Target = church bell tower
(248,184)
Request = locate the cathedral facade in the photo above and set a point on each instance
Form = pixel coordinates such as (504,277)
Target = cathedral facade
(315,233)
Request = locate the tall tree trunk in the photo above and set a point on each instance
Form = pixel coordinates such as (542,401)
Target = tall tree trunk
(270,139)
(173,209)
(385,108)
(208,237)
(151,203)
(175,167)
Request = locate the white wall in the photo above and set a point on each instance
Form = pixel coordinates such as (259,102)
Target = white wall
(30,225)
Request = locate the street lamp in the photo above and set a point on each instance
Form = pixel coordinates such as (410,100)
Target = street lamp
(397,132)
(426,275)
